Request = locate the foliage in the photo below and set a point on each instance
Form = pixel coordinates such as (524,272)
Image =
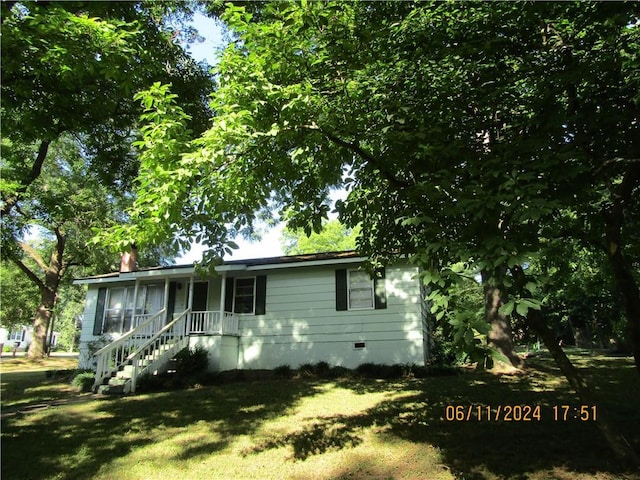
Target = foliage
(70,71)
(581,299)
(18,298)
(190,361)
(333,237)
(479,135)
(283,371)
(83,381)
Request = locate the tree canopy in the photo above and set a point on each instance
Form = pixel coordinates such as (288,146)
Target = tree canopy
(70,71)
(334,237)
(469,136)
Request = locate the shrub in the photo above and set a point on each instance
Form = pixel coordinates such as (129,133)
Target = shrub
(306,370)
(84,380)
(189,361)
(322,369)
(339,372)
(368,370)
(283,371)
(375,370)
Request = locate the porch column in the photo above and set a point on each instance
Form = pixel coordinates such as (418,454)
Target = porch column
(190,301)
(223,294)
(190,304)
(166,299)
(135,303)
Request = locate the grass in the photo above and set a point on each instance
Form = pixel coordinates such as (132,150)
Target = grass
(27,382)
(330,429)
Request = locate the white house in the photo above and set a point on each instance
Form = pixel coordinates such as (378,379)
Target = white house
(255,314)
(20,337)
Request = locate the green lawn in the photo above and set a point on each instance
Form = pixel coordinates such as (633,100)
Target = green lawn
(309,429)
(27,382)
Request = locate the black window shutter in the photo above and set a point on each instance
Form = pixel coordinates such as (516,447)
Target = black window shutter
(102,297)
(228,296)
(379,289)
(261,294)
(341,290)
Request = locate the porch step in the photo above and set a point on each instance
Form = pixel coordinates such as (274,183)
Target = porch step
(115,389)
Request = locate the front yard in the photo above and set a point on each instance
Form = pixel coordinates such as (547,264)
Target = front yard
(329,429)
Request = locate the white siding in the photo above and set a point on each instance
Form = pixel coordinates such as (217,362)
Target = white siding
(302,324)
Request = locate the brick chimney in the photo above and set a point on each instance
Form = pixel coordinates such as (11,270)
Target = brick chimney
(129,260)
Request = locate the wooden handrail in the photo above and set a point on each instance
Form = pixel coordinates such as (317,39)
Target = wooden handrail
(129,334)
(158,334)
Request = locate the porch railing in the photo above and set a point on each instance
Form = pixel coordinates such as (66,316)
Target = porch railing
(209,323)
(110,358)
(162,346)
(144,327)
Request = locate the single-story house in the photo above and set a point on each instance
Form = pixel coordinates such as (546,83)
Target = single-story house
(19,337)
(255,314)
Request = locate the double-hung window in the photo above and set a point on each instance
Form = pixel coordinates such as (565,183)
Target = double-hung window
(119,310)
(244,295)
(360,290)
(356,290)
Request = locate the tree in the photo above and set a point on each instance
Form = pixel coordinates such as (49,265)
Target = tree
(334,237)
(70,71)
(18,299)
(475,137)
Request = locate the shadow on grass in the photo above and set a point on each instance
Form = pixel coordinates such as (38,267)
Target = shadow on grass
(75,442)
(481,449)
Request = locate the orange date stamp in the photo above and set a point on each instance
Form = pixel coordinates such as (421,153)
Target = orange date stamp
(519,413)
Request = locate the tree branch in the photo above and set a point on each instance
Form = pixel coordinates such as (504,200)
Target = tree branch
(36,169)
(362,153)
(34,255)
(27,271)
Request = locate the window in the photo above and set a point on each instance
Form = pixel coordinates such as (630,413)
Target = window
(356,290)
(119,310)
(360,290)
(115,307)
(16,336)
(244,295)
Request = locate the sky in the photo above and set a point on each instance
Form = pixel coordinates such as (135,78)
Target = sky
(269,245)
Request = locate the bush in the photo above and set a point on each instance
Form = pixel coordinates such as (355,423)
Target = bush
(84,380)
(306,370)
(375,370)
(189,361)
(339,372)
(283,371)
(322,369)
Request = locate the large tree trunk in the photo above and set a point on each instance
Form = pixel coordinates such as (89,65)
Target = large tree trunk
(625,281)
(53,273)
(619,445)
(37,349)
(500,336)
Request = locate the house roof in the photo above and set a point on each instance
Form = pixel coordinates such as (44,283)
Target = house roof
(288,261)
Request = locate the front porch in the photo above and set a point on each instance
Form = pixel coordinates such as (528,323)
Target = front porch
(148,319)
(154,339)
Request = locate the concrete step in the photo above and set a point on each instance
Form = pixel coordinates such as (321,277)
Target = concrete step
(111,390)
(118,381)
